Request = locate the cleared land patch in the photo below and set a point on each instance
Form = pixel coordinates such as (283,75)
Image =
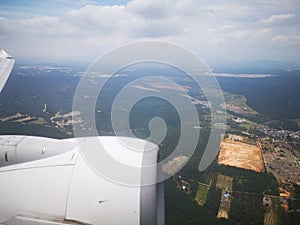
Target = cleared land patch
(237,153)
(224,183)
(174,164)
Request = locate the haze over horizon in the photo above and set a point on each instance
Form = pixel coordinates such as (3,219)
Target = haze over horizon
(218,31)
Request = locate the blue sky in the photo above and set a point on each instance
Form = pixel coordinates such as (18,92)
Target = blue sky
(15,9)
(220,30)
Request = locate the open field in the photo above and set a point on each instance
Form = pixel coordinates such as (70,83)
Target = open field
(40,121)
(201,195)
(270,218)
(274,213)
(224,206)
(235,152)
(237,104)
(174,164)
(224,182)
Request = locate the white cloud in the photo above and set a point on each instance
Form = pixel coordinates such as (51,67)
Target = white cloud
(279,18)
(289,39)
(229,10)
(217,41)
(207,27)
(227,27)
(154,9)
(248,34)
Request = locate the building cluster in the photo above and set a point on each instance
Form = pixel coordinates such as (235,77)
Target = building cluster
(280,134)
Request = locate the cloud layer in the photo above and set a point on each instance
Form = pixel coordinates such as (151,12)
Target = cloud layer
(221,30)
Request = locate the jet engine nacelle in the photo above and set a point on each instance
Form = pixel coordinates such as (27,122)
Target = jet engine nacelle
(49,181)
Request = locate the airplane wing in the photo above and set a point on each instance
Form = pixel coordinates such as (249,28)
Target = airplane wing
(6,65)
(40,186)
(32,220)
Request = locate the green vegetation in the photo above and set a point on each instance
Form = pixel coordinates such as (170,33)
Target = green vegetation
(11,128)
(286,124)
(201,195)
(246,209)
(237,104)
(40,121)
(275,214)
(29,94)
(182,208)
(235,99)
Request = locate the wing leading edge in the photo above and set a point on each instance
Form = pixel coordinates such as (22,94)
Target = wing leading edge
(6,66)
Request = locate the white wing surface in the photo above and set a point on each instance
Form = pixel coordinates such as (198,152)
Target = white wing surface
(6,65)
(47,181)
(33,220)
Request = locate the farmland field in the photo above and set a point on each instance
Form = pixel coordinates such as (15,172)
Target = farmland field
(238,153)
(201,195)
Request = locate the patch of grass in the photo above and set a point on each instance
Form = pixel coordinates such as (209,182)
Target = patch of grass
(40,121)
(201,195)
(237,104)
(247,126)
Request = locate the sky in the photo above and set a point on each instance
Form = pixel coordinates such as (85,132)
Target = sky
(216,30)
